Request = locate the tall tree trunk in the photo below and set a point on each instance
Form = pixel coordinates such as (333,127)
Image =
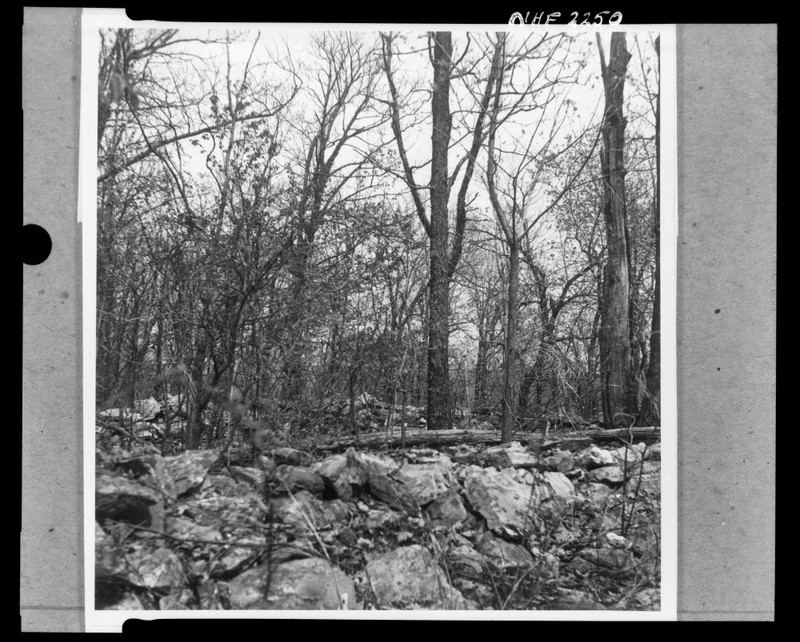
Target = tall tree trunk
(651,406)
(294,367)
(481,370)
(510,387)
(439,409)
(486,327)
(615,342)
(535,375)
(525,388)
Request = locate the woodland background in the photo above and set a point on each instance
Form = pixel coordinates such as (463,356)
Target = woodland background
(276,233)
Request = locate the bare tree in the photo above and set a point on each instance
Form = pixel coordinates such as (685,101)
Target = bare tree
(650,411)
(444,258)
(522,168)
(615,339)
(343,115)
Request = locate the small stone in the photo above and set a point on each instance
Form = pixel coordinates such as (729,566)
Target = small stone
(295,478)
(158,569)
(649,599)
(572,600)
(447,510)
(253,476)
(504,555)
(595,457)
(611,475)
(189,469)
(561,486)
(292,457)
(559,460)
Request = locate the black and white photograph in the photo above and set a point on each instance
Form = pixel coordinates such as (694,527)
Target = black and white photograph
(379,321)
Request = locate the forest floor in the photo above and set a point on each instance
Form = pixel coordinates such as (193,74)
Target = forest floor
(548,524)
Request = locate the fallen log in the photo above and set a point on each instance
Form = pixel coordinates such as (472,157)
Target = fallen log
(433,438)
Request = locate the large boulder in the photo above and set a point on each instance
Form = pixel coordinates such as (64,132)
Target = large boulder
(506,504)
(425,482)
(393,493)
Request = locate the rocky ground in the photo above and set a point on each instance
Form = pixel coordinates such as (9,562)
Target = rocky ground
(462,526)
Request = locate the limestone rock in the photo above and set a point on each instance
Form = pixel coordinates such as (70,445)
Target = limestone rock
(147,408)
(341,474)
(217,510)
(109,560)
(409,578)
(373,464)
(307,513)
(307,584)
(632,453)
(504,555)
(561,486)
(447,509)
(504,503)
(611,475)
(649,599)
(268,465)
(511,455)
(596,492)
(425,482)
(187,529)
(124,500)
(653,453)
(559,460)
(158,569)
(253,476)
(189,469)
(129,602)
(236,558)
(295,478)
(112,486)
(392,492)
(465,561)
(595,457)
(609,557)
(573,600)
(292,457)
